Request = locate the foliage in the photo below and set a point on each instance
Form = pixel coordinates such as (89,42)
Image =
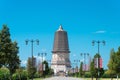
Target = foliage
(101,72)
(107,74)
(4,73)
(117,61)
(8,51)
(92,69)
(47,69)
(81,69)
(51,71)
(87,75)
(20,75)
(114,63)
(31,68)
(37,75)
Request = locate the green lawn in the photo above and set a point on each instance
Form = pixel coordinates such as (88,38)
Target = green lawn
(38,79)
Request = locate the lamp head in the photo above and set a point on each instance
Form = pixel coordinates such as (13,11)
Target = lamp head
(103,42)
(26,41)
(37,42)
(93,42)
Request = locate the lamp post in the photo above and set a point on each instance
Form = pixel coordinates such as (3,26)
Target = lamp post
(32,41)
(42,54)
(77,61)
(98,42)
(84,54)
(73,69)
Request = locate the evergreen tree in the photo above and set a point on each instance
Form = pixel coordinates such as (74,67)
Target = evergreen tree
(8,51)
(81,69)
(46,68)
(5,43)
(31,67)
(117,61)
(112,64)
(92,69)
(13,58)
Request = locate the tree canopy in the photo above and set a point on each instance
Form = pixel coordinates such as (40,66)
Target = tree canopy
(8,51)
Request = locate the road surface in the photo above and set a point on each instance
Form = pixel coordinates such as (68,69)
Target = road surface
(62,78)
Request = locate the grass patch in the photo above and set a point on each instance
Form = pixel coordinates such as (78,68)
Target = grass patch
(38,79)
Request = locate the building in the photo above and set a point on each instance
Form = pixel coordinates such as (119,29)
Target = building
(60,62)
(32,62)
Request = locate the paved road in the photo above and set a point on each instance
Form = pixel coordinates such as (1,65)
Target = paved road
(62,78)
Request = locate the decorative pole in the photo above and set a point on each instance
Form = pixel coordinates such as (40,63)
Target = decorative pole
(32,41)
(98,42)
(85,54)
(42,54)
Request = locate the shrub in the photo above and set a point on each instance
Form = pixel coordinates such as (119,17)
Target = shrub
(4,73)
(37,75)
(20,75)
(87,75)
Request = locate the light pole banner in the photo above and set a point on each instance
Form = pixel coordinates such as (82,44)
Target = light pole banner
(100,61)
(96,62)
(43,67)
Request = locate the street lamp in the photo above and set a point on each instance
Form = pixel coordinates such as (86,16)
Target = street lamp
(73,69)
(42,54)
(98,42)
(84,54)
(77,61)
(32,41)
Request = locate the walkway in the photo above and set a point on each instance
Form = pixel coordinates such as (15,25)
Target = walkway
(62,78)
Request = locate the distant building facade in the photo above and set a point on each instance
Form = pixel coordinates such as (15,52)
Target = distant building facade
(32,62)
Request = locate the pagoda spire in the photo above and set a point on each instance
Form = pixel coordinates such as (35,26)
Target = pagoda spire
(60,28)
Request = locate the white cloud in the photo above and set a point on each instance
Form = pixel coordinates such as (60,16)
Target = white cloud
(24,62)
(100,32)
(74,55)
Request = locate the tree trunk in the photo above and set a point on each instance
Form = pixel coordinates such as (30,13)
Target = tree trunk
(117,76)
(111,77)
(92,77)
(96,78)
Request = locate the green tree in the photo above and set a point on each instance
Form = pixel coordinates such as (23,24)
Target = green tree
(5,45)
(92,69)
(31,68)
(81,69)
(117,61)
(8,51)
(46,68)
(13,60)
(112,64)
(4,73)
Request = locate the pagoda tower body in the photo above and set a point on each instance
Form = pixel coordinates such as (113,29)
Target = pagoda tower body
(60,54)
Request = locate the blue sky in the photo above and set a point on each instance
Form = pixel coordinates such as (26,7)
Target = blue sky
(84,20)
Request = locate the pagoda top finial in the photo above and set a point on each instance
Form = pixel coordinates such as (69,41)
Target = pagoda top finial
(60,28)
